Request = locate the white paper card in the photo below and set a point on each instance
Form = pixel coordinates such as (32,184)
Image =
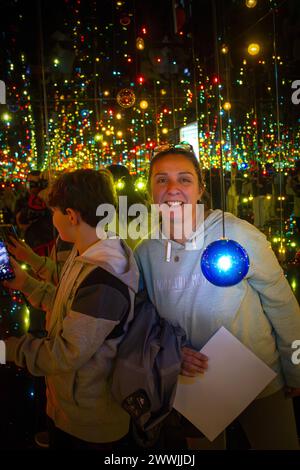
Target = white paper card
(234,378)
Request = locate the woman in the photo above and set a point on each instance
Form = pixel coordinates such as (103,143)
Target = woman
(261,311)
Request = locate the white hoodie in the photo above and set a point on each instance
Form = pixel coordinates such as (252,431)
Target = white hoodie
(261,311)
(95,293)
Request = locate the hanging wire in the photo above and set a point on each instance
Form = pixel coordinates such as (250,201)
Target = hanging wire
(278,126)
(220,124)
(45,104)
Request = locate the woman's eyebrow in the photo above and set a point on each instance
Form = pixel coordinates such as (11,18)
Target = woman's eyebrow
(180,173)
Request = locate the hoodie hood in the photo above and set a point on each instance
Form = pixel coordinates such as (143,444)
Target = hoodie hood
(113,255)
(197,239)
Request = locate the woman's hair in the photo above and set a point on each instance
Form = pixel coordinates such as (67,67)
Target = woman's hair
(83,191)
(189,156)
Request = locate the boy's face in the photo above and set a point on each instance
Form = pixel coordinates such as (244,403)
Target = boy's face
(63,224)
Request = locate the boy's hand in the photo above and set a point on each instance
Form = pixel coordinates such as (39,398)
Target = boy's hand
(193,362)
(20,277)
(20,250)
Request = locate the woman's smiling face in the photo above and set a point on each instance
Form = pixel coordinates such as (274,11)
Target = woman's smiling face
(174,181)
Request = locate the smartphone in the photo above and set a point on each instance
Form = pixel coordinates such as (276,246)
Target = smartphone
(7,231)
(6,270)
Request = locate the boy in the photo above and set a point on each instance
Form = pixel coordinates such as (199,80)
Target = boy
(87,316)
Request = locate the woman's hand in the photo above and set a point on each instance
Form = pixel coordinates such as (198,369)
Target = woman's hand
(193,362)
(19,279)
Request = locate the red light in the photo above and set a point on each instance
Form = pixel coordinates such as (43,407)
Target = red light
(254,123)
(201,87)
(216,80)
(141,80)
(181,33)
(129,59)
(158,59)
(144,30)
(165,110)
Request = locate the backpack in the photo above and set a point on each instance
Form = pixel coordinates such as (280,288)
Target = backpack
(146,370)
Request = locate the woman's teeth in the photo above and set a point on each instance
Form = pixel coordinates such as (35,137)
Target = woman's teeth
(174,203)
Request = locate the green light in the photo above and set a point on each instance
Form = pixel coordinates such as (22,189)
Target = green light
(120,185)
(294,284)
(6,117)
(140,184)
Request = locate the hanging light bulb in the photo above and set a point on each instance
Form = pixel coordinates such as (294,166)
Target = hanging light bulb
(144,104)
(140,184)
(253,48)
(140,44)
(227,106)
(120,184)
(251,3)
(224,263)
(224,49)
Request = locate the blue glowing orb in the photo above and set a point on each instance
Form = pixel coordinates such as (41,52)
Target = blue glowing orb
(224,263)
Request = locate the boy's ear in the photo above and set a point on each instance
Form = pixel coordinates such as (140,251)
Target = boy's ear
(73,216)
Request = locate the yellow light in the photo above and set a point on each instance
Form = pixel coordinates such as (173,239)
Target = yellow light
(253,48)
(106,93)
(27,318)
(119,116)
(250,198)
(251,3)
(275,240)
(107,132)
(144,104)
(245,200)
(294,284)
(224,49)
(119,133)
(165,130)
(269,197)
(227,106)
(140,45)
(293,244)
(24,267)
(98,137)
(120,185)
(6,117)
(56,62)
(163,92)
(140,184)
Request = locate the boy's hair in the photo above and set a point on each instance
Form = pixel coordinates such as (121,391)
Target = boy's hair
(83,191)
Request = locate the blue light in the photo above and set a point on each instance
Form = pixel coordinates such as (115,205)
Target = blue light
(224,263)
